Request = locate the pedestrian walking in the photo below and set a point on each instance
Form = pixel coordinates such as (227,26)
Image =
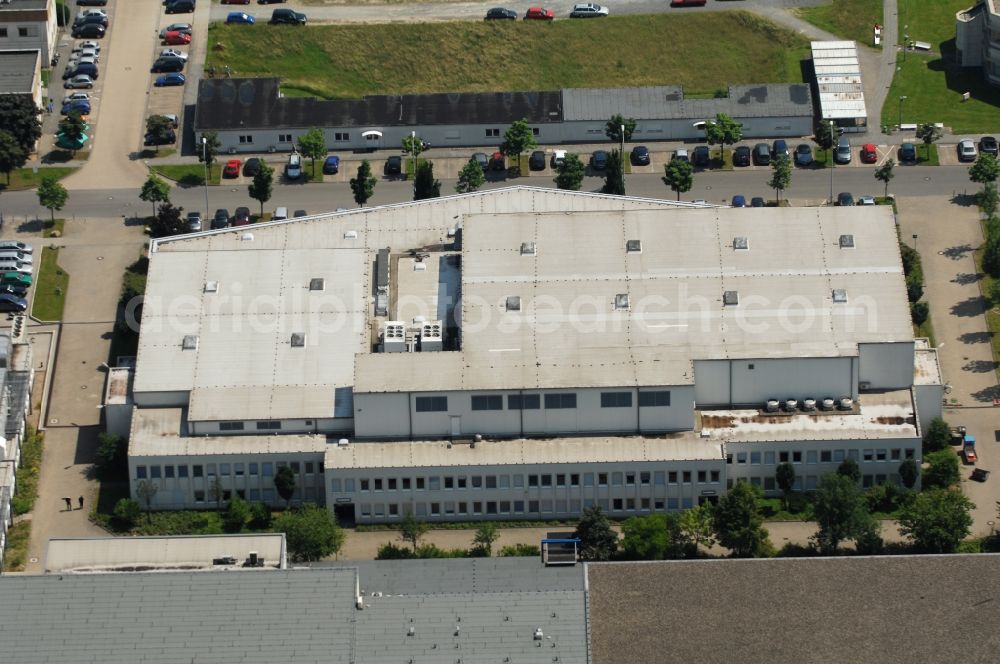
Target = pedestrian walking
(69,503)
(81,501)
(50,106)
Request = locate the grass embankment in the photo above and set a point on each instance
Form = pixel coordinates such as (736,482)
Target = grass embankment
(850,19)
(350,61)
(28,472)
(993,307)
(50,287)
(26,178)
(190,175)
(934,83)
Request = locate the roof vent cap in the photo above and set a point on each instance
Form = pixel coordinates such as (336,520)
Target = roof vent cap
(741,243)
(211,286)
(621,301)
(633,246)
(298,339)
(528,249)
(839,295)
(317,284)
(190,342)
(513,303)
(731,298)
(846,241)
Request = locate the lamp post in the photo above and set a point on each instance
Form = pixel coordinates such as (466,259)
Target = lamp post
(832,134)
(621,155)
(902,98)
(914,242)
(204,158)
(413,151)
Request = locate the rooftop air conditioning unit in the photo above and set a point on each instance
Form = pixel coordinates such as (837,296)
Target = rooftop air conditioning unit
(791,405)
(394,337)
(846,403)
(771,406)
(809,404)
(431,336)
(827,404)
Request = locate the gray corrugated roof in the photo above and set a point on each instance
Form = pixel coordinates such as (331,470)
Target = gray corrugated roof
(667,102)
(17,69)
(253,103)
(17,382)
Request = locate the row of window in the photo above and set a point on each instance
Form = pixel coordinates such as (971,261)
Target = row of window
(22,31)
(266,469)
(558,480)
(264,425)
(494,132)
(254,495)
(559,400)
(810,482)
(501,507)
(822,456)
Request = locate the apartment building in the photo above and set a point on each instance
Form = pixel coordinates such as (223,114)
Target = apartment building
(29,24)
(977,38)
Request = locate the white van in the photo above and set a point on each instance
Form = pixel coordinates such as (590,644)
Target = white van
(6,245)
(293,171)
(11,264)
(19,255)
(279,214)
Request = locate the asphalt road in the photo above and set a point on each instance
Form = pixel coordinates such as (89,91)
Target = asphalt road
(808,187)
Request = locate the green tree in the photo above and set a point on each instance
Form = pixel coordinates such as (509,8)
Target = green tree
(679,176)
(884,173)
(597,539)
(72,126)
(942,469)
(652,537)
(991,255)
(937,521)
(424,184)
(569,174)
(824,135)
(840,510)
(310,533)
(21,119)
(470,178)
(988,199)
(908,473)
(784,477)
(738,521)
(262,186)
(208,148)
(158,127)
(146,490)
(723,131)
(614,179)
(937,437)
(697,527)
(52,195)
(127,511)
(928,133)
(236,515)
(284,483)
(985,170)
(486,536)
(411,530)
(168,221)
(154,190)
(12,156)
(363,185)
(613,128)
(518,138)
(781,176)
(312,144)
(919,311)
(260,515)
(849,468)
(112,452)
(215,492)
(413,145)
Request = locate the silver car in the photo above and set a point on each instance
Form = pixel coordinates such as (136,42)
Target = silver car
(842,153)
(966,150)
(194,222)
(588,10)
(79,81)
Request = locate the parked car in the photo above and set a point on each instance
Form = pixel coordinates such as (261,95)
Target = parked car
(481,159)
(687,3)
(779,149)
(331,164)
(169,80)
(168,137)
(501,14)
(293,169)
(988,145)
(80,107)
(221,219)
(241,216)
(91,3)
(757,201)
(842,153)
(640,155)
(87,46)
(845,199)
(176,27)
(89,31)
(175,38)
(588,10)
(908,153)
(240,18)
(869,153)
(539,14)
(269,2)
(280,214)
(13,303)
(232,169)
(680,154)
(91,19)
(537,160)
(741,156)
(173,53)
(15,278)
(166,65)
(497,161)
(15,245)
(89,69)
(81,81)
(393,165)
(251,166)
(234,2)
(866,200)
(287,17)
(599,160)
(16,291)
(761,154)
(194,221)
(966,150)
(739,201)
(803,154)
(87,12)
(180,7)
(76,96)
(701,156)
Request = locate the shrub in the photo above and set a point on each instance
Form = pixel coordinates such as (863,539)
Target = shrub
(883,497)
(938,436)
(127,512)
(112,451)
(236,515)
(919,312)
(942,471)
(514,550)
(260,516)
(390,551)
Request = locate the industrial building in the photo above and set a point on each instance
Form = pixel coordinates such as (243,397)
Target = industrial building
(251,115)
(977,38)
(839,91)
(524,353)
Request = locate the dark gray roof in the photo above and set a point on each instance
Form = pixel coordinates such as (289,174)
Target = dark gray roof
(911,609)
(17,382)
(666,102)
(20,5)
(17,70)
(253,103)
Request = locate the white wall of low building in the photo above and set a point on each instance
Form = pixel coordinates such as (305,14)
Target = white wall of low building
(175,399)
(521,491)
(754,381)
(332,425)
(929,401)
(886,366)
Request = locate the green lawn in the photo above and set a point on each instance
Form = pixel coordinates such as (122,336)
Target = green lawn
(189,174)
(51,285)
(704,52)
(25,178)
(850,19)
(53,227)
(930,20)
(28,471)
(16,552)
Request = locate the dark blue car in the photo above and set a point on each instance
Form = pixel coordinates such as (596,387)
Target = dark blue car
(739,201)
(169,79)
(79,106)
(331,165)
(240,17)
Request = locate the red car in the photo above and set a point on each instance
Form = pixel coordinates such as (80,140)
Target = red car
(539,14)
(869,155)
(498,161)
(687,3)
(235,2)
(232,169)
(175,38)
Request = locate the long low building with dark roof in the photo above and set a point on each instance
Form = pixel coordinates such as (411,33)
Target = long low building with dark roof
(251,115)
